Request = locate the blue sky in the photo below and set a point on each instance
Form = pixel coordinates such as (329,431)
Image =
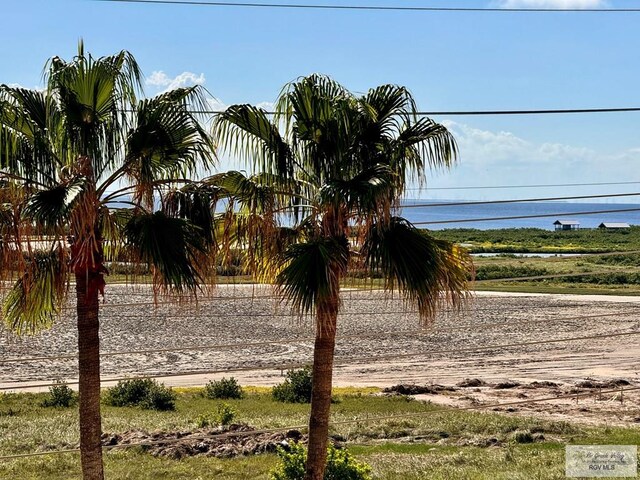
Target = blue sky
(450,61)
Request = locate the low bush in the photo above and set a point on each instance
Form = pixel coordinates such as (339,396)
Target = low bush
(143,392)
(61,396)
(296,388)
(495,272)
(340,465)
(224,415)
(223,389)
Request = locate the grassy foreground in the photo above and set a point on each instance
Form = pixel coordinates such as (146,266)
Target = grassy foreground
(437,445)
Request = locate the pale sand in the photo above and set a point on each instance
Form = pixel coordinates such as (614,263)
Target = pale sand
(237,315)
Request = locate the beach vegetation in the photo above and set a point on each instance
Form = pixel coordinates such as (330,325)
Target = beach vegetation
(296,387)
(341,465)
(81,166)
(339,164)
(60,396)
(223,389)
(412,448)
(140,392)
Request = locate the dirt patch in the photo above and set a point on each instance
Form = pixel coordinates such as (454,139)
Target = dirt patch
(506,385)
(412,389)
(241,441)
(471,383)
(591,383)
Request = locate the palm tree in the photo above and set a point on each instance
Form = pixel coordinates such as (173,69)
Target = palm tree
(351,158)
(81,167)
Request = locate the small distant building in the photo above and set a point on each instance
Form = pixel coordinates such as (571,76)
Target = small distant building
(614,225)
(566,225)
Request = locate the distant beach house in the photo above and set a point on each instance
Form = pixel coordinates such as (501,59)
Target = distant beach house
(614,225)
(566,225)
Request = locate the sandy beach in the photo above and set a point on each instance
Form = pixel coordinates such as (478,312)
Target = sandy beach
(250,335)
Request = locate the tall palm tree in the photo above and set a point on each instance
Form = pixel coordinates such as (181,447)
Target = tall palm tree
(351,158)
(81,167)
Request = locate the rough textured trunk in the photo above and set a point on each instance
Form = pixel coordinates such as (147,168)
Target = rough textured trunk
(88,286)
(321,395)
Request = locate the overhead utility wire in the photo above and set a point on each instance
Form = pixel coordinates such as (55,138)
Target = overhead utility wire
(341,361)
(517,217)
(517,200)
(375,7)
(367,419)
(466,113)
(226,346)
(544,185)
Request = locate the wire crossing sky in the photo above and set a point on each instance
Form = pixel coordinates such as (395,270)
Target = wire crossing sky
(312,6)
(536,92)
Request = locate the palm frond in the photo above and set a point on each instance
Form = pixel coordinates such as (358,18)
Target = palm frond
(246,132)
(27,118)
(369,194)
(167,142)
(171,246)
(311,271)
(428,272)
(94,96)
(51,209)
(35,300)
(196,203)
(421,145)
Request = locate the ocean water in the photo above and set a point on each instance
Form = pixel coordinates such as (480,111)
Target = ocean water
(444,212)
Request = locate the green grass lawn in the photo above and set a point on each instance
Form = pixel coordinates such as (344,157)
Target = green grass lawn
(436,445)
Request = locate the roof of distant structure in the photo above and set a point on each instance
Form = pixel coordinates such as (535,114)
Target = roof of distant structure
(566,222)
(614,225)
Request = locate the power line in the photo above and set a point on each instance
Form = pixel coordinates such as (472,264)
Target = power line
(517,200)
(350,360)
(367,419)
(298,6)
(517,217)
(226,346)
(548,185)
(474,113)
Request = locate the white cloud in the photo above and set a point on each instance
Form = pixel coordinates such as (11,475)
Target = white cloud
(491,158)
(268,106)
(162,81)
(558,4)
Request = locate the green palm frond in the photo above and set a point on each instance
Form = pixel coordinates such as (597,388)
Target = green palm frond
(27,118)
(246,132)
(421,145)
(389,108)
(367,194)
(196,203)
(310,272)
(172,246)
(35,300)
(94,96)
(427,271)
(319,114)
(51,209)
(167,142)
(248,192)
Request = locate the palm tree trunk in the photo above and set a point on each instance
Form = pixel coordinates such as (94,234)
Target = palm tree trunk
(88,286)
(321,394)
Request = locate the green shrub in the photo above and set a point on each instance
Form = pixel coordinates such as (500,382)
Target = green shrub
(494,272)
(224,415)
(160,398)
(340,465)
(61,396)
(296,388)
(143,392)
(223,389)
(523,436)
